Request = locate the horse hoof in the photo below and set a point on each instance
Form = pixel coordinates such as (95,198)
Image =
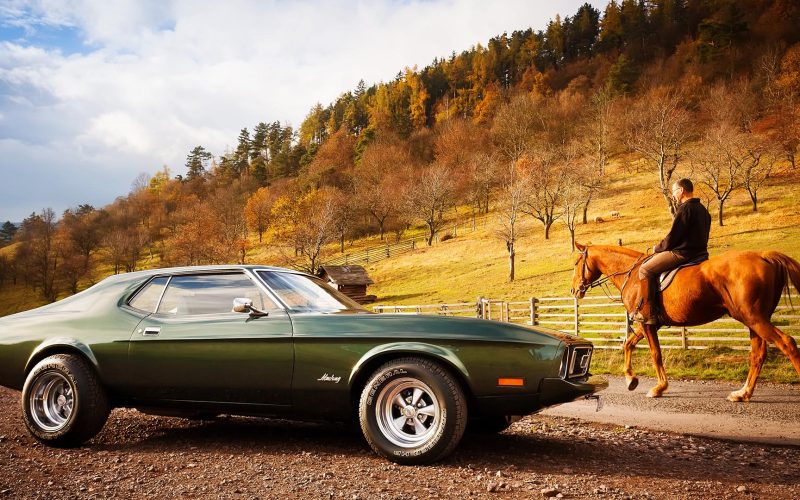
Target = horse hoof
(653,393)
(633,382)
(737,398)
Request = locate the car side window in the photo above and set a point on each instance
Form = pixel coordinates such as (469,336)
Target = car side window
(147,298)
(210,294)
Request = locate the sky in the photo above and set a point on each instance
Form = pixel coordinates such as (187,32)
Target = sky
(95,92)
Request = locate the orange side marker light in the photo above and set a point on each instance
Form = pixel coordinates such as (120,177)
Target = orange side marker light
(511,382)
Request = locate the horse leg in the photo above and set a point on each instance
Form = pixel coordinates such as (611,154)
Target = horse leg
(758,353)
(785,343)
(651,332)
(627,348)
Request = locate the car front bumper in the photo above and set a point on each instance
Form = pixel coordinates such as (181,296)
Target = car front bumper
(552,392)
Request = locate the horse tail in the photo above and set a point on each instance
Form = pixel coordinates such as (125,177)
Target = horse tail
(790,268)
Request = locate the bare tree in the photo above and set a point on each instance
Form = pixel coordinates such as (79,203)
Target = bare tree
(574,195)
(719,159)
(379,180)
(545,172)
(510,201)
(345,216)
(38,252)
(597,131)
(659,127)
(427,198)
(482,179)
(757,168)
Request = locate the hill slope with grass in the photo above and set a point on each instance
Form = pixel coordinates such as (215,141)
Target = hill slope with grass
(476,263)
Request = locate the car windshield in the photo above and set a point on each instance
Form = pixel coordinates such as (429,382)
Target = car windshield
(303,293)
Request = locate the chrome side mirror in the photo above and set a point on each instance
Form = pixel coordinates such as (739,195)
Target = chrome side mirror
(241,305)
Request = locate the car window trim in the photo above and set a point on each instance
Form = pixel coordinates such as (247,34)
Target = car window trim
(141,287)
(264,287)
(284,271)
(216,272)
(161,297)
(250,273)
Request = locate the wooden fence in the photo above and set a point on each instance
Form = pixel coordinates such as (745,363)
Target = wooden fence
(604,321)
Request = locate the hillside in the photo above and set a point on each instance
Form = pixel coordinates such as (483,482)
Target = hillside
(476,264)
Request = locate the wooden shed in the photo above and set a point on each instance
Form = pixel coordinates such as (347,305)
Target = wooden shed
(350,280)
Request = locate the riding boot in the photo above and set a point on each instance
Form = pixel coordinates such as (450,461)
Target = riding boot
(648,311)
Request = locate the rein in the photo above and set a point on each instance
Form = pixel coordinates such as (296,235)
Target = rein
(603,282)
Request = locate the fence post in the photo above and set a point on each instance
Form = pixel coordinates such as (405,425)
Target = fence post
(534,319)
(508,311)
(577,317)
(388,252)
(479,308)
(684,340)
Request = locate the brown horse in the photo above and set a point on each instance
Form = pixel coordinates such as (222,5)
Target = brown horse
(745,285)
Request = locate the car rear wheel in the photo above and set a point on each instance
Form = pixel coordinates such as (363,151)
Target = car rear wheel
(413,411)
(63,403)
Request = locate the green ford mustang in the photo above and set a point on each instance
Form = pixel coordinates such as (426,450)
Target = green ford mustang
(253,340)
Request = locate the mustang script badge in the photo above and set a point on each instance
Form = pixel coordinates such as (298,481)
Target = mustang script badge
(329,378)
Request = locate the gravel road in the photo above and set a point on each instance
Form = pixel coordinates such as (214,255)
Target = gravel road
(140,456)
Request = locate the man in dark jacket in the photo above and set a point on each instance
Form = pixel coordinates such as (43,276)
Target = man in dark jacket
(687,240)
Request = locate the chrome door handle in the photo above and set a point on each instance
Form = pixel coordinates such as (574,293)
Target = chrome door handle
(151,330)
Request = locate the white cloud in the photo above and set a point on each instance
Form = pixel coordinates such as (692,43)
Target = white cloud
(154,79)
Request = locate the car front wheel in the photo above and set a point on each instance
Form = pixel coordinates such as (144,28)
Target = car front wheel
(63,402)
(413,411)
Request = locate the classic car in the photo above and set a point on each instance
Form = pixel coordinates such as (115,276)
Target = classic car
(199,342)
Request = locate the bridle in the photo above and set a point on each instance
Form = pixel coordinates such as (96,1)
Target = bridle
(586,285)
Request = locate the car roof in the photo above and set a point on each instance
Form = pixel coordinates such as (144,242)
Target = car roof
(200,269)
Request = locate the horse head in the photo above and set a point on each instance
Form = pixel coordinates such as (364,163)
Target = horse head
(585,272)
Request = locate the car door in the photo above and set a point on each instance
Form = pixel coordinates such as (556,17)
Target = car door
(194,348)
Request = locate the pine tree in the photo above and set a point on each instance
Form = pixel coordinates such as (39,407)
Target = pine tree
(241,157)
(7,233)
(196,162)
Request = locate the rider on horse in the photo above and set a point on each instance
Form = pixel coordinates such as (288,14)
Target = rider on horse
(687,240)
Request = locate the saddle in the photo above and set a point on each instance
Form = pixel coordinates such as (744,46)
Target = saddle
(667,276)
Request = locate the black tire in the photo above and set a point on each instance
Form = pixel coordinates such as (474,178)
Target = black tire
(489,425)
(72,378)
(421,437)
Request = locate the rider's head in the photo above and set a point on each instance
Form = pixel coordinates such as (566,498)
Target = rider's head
(683,190)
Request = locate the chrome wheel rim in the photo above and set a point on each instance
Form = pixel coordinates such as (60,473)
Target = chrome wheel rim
(408,412)
(51,401)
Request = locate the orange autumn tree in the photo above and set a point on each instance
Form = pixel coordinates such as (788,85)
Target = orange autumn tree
(257,211)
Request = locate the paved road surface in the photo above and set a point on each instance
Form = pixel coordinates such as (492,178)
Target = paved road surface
(698,408)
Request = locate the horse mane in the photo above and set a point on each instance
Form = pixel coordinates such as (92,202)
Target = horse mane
(629,252)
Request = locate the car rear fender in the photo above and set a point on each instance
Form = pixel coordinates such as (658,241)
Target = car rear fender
(62,345)
(376,356)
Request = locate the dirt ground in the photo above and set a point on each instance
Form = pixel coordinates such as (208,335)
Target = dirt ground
(140,456)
